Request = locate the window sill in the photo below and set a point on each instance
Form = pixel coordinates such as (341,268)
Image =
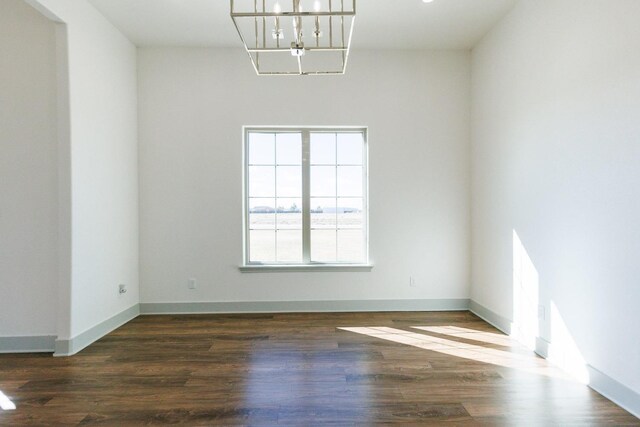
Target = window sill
(257,268)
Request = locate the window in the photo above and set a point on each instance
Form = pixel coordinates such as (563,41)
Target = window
(305,196)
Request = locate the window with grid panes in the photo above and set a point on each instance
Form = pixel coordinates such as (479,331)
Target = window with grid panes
(305,196)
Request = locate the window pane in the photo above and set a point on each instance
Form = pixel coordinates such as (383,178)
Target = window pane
(323,245)
(323,181)
(262,149)
(262,245)
(323,213)
(323,148)
(351,246)
(262,181)
(337,190)
(289,245)
(262,214)
(289,148)
(350,148)
(349,181)
(289,181)
(290,214)
(350,213)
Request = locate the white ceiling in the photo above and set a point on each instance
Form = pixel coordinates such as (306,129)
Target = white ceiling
(388,24)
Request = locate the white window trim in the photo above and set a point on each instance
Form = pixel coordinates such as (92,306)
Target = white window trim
(307,264)
(292,268)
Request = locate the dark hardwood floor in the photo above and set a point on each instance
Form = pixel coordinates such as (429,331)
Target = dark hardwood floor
(300,369)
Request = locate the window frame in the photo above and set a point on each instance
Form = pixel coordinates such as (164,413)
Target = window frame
(307,264)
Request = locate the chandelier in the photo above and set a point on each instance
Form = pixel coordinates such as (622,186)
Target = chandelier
(295,37)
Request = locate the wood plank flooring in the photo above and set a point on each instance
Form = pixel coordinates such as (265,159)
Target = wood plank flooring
(300,369)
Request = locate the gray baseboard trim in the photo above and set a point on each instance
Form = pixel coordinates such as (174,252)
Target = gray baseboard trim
(28,344)
(501,323)
(542,347)
(618,393)
(304,306)
(72,346)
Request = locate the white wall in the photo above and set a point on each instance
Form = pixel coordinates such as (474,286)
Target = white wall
(555,158)
(104,164)
(28,172)
(192,106)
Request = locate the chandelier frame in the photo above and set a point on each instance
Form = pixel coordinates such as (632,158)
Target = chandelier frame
(260,16)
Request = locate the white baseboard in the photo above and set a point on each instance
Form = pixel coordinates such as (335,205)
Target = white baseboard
(501,323)
(304,306)
(69,347)
(613,390)
(542,347)
(28,344)
(618,393)
(72,346)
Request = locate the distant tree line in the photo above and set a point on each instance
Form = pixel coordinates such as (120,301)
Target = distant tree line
(295,209)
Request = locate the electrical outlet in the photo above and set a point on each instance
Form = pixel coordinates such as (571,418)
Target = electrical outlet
(192,284)
(412,281)
(122,289)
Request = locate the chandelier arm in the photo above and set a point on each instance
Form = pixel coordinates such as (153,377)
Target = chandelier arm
(297,22)
(353,21)
(342,25)
(255,22)
(288,50)
(330,26)
(292,14)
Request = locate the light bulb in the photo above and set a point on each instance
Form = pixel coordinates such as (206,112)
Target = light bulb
(427,1)
(277,8)
(316,6)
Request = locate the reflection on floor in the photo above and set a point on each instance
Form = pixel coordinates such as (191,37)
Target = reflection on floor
(300,369)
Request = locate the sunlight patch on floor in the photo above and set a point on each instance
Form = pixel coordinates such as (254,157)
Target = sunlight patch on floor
(470,334)
(6,403)
(522,362)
